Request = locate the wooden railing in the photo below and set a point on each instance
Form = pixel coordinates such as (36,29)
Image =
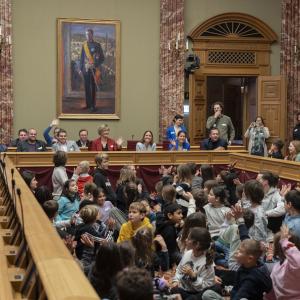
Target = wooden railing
(285,169)
(118,158)
(34,262)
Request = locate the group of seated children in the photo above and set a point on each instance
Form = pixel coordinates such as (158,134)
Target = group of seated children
(199,236)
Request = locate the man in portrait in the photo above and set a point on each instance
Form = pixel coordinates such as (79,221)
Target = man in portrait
(91,58)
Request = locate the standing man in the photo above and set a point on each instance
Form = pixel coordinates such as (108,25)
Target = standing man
(222,122)
(91,58)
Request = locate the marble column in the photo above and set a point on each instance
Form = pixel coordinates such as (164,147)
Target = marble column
(172,59)
(290,58)
(6,90)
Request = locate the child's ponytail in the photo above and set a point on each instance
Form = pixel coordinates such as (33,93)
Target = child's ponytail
(210,253)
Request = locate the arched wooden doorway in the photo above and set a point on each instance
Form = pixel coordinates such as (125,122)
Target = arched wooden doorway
(236,45)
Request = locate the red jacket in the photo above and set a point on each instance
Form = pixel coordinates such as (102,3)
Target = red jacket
(97,146)
(81,181)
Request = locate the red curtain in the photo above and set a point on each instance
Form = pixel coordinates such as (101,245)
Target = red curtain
(149,174)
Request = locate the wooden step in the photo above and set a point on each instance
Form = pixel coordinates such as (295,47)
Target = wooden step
(16,277)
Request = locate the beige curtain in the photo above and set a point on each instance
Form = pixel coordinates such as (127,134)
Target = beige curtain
(171,62)
(290,57)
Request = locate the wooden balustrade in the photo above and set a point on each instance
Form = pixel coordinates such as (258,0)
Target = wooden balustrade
(36,265)
(285,169)
(118,158)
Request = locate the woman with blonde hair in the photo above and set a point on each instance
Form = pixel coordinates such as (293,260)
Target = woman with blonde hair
(104,143)
(294,151)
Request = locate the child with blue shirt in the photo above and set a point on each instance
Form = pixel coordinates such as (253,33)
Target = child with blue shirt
(292,206)
(68,203)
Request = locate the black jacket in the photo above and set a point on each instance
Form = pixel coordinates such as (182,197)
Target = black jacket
(79,144)
(251,283)
(169,233)
(24,146)
(296,132)
(102,181)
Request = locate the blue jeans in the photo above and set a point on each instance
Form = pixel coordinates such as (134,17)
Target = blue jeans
(222,249)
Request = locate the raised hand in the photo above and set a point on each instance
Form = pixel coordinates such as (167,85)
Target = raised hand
(119,141)
(54,122)
(284,232)
(285,189)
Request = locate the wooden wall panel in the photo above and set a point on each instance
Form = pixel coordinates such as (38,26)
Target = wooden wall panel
(272,104)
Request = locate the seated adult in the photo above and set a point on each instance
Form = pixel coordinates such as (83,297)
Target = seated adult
(51,139)
(32,144)
(146,144)
(296,130)
(63,144)
(22,136)
(30,180)
(181,143)
(294,151)
(83,139)
(214,142)
(172,131)
(222,122)
(104,143)
(276,149)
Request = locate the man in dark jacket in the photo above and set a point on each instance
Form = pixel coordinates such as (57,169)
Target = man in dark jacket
(90,60)
(296,130)
(22,136)
(214,142)
(32,144)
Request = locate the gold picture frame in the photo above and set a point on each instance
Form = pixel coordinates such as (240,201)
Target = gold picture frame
(88,64)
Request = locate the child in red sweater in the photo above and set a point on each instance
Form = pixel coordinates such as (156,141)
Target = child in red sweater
(84,176)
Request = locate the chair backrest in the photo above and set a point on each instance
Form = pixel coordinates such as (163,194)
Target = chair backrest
(131,145)
(165,145)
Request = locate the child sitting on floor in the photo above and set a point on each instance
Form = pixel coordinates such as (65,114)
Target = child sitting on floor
(285,273)
(292,205)
(252,278)
(68,203)
(168,228)
(215,210)
(195,271)
(136,219)
(84,176)
(255,193)
(103,205)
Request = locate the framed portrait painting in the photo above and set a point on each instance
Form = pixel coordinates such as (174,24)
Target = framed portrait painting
(88,69)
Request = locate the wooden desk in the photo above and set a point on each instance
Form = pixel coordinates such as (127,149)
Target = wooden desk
(119,158)
(285,169)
